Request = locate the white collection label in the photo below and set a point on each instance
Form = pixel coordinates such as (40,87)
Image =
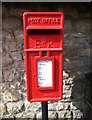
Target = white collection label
(44,73)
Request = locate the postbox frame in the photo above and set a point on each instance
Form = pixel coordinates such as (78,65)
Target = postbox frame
(49,50)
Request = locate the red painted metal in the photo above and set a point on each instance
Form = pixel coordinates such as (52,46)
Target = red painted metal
(43,33)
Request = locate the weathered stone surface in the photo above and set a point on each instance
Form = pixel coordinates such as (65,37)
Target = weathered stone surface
(7,116)
(52,114)
(66,87)
(12,95)
(11,23)
(67,94)
(82,25)
(39,114)
(77,35)
(72,52)
(63,106)
(66,35)
(64,114)
(6,60)
(11,75)
(73,14)
(68,81)
(0,75)
(10,45)
(20,65)
(18,33)
(8,36)
(25,115)
(85,52)
(19,36)
(2,108)
(61,114)
(74,42)
(74,64)
(13,46)
(4,10)
(77,105)
(53,106)
(0,59)
(65,75)
(18,12)
(68,24)
(4,86)
(78,97)
(88,37)
(0,42)
(15,107)
(68,115)
(77,114)
(16,56)
(32,106)
(66,97)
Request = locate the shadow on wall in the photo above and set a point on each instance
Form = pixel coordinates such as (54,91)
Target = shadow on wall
(79,97)
(77,63)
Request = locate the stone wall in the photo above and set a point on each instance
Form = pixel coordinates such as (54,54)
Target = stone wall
(77,62)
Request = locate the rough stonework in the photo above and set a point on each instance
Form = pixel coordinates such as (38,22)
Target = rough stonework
(76,63)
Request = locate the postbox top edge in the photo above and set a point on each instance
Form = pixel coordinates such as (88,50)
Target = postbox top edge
(46,13)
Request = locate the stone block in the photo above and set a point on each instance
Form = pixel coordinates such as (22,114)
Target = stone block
(11,74)
(68,25)
(68,81)
(53,106)
(11,23)
(4,86)
(10,95)
(16,56)
(72,42)
(32,106)
(2,108)
(85,52)
(66,87)
(77,34)
(25,115)
(64,106)
(52,114)
(77,106)
(15,107)
(74,64)
(77,114)
(6,60)
(64,114)
(39,115)
(71,52)
(65,75)
(82,25)
(18,33)
(7,36)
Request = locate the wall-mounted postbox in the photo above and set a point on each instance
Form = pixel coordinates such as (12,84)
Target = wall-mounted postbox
(43,45)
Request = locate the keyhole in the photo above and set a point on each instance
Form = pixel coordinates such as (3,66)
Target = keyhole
(34,75)
(44,53)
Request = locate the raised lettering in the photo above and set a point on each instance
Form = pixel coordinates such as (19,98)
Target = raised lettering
(36,20)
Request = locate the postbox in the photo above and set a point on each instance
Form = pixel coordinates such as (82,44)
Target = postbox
(43,46)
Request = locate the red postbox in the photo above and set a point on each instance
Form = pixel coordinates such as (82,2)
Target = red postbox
(43,45)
